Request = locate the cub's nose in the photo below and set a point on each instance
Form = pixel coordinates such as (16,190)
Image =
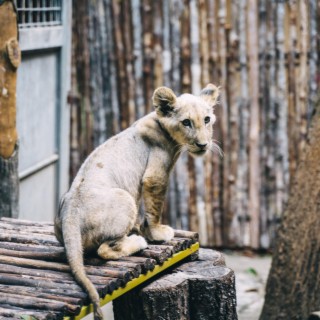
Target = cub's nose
(200,145)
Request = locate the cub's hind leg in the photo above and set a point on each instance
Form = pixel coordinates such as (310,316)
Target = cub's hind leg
(123,247)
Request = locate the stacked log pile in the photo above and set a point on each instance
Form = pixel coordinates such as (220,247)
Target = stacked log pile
(35,278)
(264,55)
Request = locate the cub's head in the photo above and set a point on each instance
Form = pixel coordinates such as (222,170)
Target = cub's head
(188,118)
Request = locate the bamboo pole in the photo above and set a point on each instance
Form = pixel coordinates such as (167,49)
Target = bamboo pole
(113,71)
(254,170)
(281,164)
(263,85)
(138,57)
(130,103)
(148,58)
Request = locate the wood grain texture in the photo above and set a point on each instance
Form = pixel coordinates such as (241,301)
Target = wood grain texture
(265,58)
(201,289)
(36,280)
(293,286)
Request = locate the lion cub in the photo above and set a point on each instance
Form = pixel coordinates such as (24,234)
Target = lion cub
(101,207)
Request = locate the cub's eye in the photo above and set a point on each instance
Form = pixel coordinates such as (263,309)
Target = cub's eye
(206,120)
(186,123)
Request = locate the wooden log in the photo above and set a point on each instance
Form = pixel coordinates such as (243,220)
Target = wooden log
(194,236)
(262,27)
(6,225)
(166,53)
(27,235)
(254,168)
(110,284)
(112,76)
(172,291)
(115,264)
(103,286)
(177,245)
(146,263)
(43,304)
(30,247)
(52,256)
(97,62)
(28,238)
(138,57)
(158,247)
(234,83)
(281,150)
(176,8)
(159,36)
(16,280)
(127,35)
(184,242)
(215,286)
(213,11)
(124,274)
(270,176)
(68,293)
(6,311)
(185,50)
(27,222)
(159,256)
(148,57)
(215,257)
(194,41)
(195,290)
(34,292)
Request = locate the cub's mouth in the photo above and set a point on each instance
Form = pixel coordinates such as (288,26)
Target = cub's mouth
(200,152)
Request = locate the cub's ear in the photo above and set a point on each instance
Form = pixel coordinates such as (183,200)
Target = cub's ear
(210,94)
(164,101)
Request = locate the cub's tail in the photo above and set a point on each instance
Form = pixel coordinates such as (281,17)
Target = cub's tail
(73,246)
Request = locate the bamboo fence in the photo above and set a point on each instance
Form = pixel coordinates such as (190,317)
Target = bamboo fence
(263,54)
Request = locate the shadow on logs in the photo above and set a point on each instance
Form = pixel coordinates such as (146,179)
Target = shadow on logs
(202,289)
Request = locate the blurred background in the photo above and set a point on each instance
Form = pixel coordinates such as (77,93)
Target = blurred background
(89,69)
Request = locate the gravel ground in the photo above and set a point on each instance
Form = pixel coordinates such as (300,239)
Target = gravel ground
(251,276)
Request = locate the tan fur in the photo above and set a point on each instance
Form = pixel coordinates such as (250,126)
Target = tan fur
(101,208)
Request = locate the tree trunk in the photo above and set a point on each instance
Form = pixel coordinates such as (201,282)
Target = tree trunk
(202,289)
(293,288)
(9,61)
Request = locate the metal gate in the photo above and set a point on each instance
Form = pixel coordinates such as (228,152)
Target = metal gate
(42,110)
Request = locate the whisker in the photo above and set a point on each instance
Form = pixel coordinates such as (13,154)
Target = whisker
(216,141)
(216,148)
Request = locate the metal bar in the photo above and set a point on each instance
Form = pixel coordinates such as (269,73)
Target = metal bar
(43,14)
(38,166)
(39,13)
(30,12)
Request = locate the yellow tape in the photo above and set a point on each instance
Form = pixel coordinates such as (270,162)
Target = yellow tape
(137,281)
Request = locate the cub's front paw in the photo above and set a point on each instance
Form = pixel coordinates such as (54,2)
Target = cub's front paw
(159,232)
